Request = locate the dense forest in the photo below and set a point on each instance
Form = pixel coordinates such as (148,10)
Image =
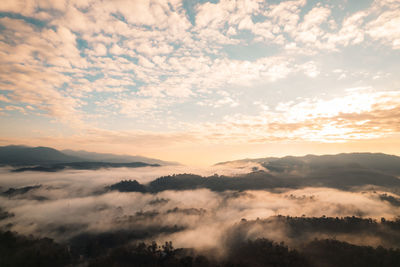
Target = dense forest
(261,180)
(116,249)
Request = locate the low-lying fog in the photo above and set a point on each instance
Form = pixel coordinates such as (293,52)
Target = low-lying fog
(93,178)
(72,202)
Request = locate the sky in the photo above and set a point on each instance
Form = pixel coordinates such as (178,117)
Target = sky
(201,81)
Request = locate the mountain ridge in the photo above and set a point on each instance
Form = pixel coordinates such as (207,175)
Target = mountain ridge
(20,155)
(378,161)
(115,158)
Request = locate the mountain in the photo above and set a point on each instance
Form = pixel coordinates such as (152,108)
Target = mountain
(52,159)
(24,155)
(312,163)
(112,158)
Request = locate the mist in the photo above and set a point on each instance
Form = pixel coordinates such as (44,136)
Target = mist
(67,204)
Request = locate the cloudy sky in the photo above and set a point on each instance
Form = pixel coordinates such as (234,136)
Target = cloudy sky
(199,81)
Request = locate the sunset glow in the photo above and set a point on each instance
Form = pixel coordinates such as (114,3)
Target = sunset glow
(201,81)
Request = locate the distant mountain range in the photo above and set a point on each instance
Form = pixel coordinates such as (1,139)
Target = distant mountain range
(112,158)
(50,159)
(377,161)
(24,155)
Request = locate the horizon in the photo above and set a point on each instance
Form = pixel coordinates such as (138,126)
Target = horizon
(200,82)
(204,133)
(214,163)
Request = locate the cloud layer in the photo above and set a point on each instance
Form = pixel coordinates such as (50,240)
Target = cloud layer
(179,70)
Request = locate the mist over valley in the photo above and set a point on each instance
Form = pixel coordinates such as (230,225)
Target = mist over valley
(213,211)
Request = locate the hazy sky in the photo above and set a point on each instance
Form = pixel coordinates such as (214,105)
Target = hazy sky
(198,81)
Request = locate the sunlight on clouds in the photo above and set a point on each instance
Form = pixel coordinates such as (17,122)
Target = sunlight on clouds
(358,115)
(387,28)
(195,70)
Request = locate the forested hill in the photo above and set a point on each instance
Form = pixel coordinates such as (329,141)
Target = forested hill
(346,179)
(50,160)
(23,155)
(374,161)
(126,249)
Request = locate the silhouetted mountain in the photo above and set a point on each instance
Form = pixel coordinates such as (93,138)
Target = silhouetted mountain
(50,160)
(345,178)
(83,166)
(376,161)
(112,158)
(23,155)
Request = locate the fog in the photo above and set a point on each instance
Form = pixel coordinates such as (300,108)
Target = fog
(93,178)
(69,203)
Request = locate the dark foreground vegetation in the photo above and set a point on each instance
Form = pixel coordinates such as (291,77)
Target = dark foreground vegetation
(114,249)
(16,250)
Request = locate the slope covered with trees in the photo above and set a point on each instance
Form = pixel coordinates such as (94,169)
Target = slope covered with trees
(117,249)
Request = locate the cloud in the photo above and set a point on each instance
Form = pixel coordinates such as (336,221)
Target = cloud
(75,61)
(310,69)
(386,28)
(360,114)
(33,82)
(310,30)
(351,31)
(4,98)
(17,108)
(100,50)
(25,7)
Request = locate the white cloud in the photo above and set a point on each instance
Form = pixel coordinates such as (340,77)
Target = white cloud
(386,28)
(310,69)
(351,31)
(100,50)
(159,59)
(340,119)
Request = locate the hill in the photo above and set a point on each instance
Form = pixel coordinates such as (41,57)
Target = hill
(113,158)
(311,163)
(24,155)
(50,159)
